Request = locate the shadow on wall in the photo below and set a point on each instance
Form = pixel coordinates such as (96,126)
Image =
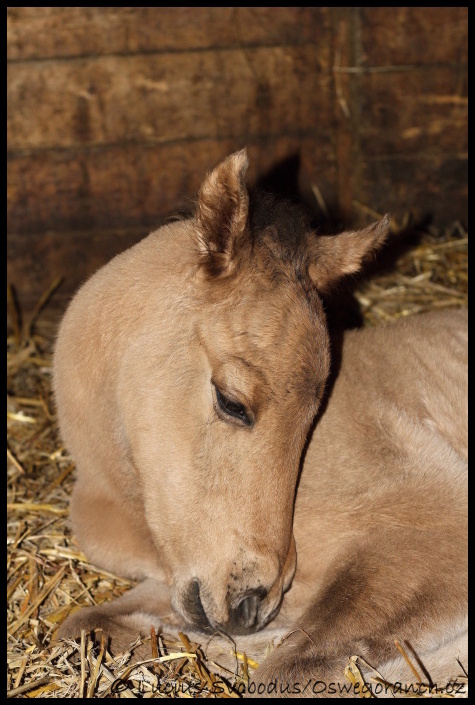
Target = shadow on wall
(342,308)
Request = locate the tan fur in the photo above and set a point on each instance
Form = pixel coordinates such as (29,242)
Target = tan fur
(201,508)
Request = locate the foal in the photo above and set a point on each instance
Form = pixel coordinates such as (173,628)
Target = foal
(189,373)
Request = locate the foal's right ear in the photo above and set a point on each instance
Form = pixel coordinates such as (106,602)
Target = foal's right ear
(334,256)
(222,212)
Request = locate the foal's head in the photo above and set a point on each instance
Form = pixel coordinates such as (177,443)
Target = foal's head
(258,359)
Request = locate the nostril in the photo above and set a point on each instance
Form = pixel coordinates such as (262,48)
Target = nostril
(244,617)
(247,611)
(194,607)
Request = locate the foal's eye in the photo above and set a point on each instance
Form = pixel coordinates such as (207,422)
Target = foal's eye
(232,408)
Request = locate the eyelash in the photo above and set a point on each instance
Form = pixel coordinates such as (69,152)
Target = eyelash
(232,408)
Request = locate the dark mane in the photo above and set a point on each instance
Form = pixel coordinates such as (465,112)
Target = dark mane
(288,221)
(278,223)
(282,226)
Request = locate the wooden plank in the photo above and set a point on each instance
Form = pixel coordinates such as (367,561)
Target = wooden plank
(431,187)
(167,97)
(135,185)
(400,114)
(412,112)
(345,120)
(392,36)
(52,32)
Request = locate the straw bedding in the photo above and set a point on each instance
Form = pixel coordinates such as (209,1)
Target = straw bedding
(47,574)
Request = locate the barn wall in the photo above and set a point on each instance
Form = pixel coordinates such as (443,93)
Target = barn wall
(115,114)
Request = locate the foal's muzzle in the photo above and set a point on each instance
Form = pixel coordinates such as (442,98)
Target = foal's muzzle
(243,618)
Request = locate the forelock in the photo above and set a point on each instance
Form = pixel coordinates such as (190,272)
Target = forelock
(281,226)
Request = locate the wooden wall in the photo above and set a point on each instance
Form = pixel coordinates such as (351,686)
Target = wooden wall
(115,114)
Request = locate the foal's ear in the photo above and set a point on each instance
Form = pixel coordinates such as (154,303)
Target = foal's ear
(333,256)
(223,205)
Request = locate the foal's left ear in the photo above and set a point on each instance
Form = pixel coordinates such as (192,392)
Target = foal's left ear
(223,206)
(334,256)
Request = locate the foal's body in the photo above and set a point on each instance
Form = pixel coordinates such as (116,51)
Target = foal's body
(187,375)
(381,512)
